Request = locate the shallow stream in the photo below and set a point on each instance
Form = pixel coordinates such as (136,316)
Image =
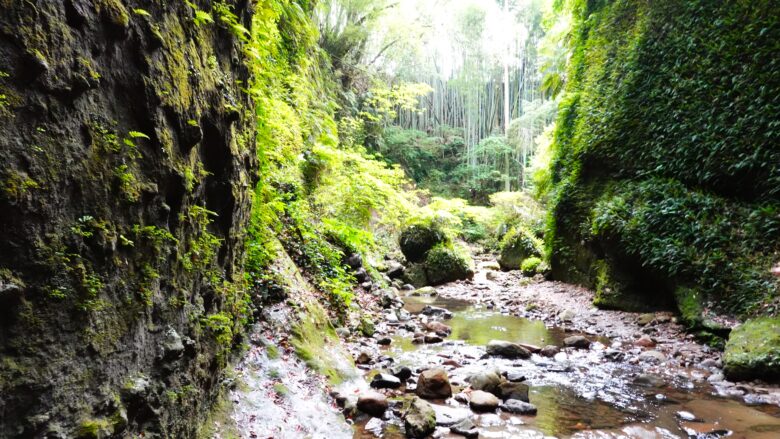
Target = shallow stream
(578,393)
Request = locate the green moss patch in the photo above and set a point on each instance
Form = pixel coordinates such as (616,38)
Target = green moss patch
(447,263)
(753,350)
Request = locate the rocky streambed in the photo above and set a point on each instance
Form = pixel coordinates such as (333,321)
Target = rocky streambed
(504,356)
(499,356)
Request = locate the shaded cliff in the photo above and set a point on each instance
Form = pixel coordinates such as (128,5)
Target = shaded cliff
(127,162)
(666,166)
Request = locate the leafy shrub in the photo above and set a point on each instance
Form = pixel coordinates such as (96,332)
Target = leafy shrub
(531,266)
(518,244)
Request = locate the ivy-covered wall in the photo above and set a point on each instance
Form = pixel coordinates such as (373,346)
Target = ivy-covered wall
(127,163)
(666,161)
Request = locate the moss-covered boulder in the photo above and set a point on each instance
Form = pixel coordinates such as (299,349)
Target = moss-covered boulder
(753,350)
(418,239)
(518,244)
(420,419)
(446,264)
(414,274)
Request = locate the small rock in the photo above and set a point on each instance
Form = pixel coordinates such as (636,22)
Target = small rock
(439,328)
(576,341)
(375,426)
(716,378)
(465,428)
(372,403)
(395,270)
(531,347)
(433,384)
(407,287)
(614,355)
(687,416)
(432,338)
(342,332)
(645,319)
(420,419)
(485,381)
(362,275)
(436,311)
(384,341)
(385,381)
(515,376)
(355,261)
(652,357)
(567,315)
(363,358)
(483,401)
(403,373)
(518,407)
(172,346)
(425,291)
(648,380)
(506,349)
(645,341)
(549,351)
(491,265)
(509,390)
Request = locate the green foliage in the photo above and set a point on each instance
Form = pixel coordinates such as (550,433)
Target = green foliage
(531,266)
(665,148)
(517,245)
(693,237)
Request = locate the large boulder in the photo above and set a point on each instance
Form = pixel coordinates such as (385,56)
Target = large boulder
(418,239)
(517,245)
(446,264)
(420,419)
(433,384)
(753,350)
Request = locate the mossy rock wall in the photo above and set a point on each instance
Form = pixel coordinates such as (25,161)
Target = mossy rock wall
(665,162)
(126,163)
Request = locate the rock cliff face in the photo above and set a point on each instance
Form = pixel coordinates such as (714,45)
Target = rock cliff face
(126,167)
(666,167)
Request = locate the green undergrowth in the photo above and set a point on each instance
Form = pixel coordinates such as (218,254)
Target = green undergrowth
(319,199)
